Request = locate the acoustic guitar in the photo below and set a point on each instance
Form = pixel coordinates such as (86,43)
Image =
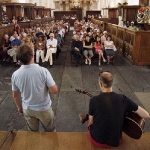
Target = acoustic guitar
(133,124)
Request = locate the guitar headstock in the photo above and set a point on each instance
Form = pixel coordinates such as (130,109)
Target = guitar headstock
(83,92)
(80,91)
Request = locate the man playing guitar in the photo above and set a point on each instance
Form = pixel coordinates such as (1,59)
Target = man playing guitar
(107,112)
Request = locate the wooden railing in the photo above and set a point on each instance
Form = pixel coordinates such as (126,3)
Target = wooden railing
(6,30)
(133,45)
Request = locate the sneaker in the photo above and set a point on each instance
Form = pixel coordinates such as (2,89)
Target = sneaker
(104,60)
(86,61)
(89,61)
(99,63)
(83,118)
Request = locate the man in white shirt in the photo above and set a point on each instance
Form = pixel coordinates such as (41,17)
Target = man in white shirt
(13,36)
(51,48)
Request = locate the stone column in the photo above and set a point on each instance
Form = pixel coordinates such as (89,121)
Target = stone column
(41,3)
(61,6)
(84,8)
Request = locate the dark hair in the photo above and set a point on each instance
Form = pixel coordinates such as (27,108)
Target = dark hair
(25,54)
(106,78)
(98,41)
(109,36)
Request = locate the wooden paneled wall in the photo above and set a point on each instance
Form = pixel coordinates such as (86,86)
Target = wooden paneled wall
(6,30)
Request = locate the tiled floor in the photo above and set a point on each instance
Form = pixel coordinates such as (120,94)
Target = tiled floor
(133,81)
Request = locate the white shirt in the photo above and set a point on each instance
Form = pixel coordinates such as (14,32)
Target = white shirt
(12,38)
(51,42)
(109,43)
(32,81)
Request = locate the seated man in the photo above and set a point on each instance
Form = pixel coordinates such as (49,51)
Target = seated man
(5,47)
(51,48)
(76,49)
(14,44)
(107,113)
(58,38)
(133,27)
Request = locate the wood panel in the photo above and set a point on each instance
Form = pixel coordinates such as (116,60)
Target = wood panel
(93,12)
(70,141)
(39,10)
(113,13)
(78,12)
(60,14)
(144,2)
(47,12)
(26,24)
(9,141)
(131,14)
(6,30)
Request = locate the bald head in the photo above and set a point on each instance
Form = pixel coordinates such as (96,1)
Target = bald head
(106,78)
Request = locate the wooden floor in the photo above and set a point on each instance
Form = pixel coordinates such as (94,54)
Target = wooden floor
(24,140)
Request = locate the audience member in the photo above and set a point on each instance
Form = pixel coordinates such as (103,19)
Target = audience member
(76,49)
(51,48)
(87,50)
(14,44)
(40,49)
(109,45)
(99,50)
(133,27)
(5,47)
(33,83)
(107,112)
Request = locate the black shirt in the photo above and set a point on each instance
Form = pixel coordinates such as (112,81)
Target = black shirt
(87,44)
(77,44)
(47,35)
(39,34)
(88,29)
(108,111)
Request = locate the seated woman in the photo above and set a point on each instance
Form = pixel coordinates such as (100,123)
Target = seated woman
(28,41)
(109,45)
(98,50)
(87,50)
(40,46)
(5,47)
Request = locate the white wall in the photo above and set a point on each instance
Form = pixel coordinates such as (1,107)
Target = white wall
(114,3)
(133,2)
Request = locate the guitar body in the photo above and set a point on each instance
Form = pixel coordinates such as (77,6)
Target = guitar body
(133,125)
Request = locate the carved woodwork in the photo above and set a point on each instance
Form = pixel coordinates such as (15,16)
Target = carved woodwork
(94,12)
(39,10)
(47,12)
(78,12)
(143,2)
(130,12)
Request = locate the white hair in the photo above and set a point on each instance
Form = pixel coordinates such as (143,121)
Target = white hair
(6,35)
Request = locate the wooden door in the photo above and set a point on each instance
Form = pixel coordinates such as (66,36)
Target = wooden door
(131,14)
(79,12)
